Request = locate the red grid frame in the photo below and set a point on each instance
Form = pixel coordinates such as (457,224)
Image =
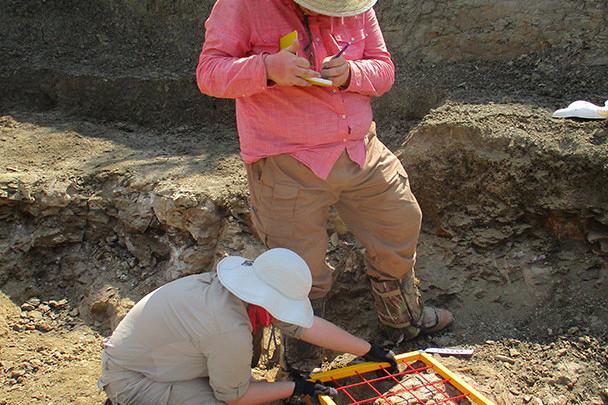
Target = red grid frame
(368,375)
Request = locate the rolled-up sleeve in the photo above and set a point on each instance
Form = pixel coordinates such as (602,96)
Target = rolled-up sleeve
(373,75)
(229,364)
(294,331)
(225,69)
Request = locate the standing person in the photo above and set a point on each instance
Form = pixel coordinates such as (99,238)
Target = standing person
(191,341)
(308,147)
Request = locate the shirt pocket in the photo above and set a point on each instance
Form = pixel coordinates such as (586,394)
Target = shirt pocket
(356,38)
(267,41)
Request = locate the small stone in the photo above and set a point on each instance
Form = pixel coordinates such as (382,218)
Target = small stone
(44,327)
(480,293)
(16,373)
(35,315)
(27,307)
(58,304)
(537,401)
(513,352)
(444,341)
(74,312)
(505,359)
(549,331)
(490,342)
(573,330)
(34,301)
(44,308)
(585,340)
(563,380)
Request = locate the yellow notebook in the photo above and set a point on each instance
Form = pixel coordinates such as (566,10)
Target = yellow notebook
(285,42)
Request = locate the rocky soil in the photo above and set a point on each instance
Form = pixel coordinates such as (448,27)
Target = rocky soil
(95,216)
(116,176)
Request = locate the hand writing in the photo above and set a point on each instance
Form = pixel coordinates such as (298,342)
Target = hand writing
(285,68)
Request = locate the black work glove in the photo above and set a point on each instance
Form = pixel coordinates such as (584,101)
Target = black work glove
(380,354)
(311,388)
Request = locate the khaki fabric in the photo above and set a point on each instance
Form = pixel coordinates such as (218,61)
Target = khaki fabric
(290,208)
(189,329)
(130,387)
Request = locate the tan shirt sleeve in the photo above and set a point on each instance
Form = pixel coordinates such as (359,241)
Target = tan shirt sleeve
(229,364)
(294,331)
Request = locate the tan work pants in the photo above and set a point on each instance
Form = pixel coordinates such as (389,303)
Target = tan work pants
(125,387)
(290,209)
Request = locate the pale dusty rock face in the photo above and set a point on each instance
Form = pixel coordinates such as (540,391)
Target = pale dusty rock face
(442,31)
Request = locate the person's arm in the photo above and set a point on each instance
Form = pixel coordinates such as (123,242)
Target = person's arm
(263,392)
(373,75)
(223,69)
(325,334)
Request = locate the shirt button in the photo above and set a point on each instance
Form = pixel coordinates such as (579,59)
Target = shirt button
(343,116)
(333,91)
(318,39)
(343,139)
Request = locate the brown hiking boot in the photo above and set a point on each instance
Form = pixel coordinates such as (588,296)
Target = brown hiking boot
(299,354)
(401,313)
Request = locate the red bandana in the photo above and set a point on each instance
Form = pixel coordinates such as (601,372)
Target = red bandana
(258,316)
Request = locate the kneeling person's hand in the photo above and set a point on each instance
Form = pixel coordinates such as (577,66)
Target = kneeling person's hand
(380,354)
(311,388)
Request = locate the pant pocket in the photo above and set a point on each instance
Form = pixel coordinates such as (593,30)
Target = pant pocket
(276,210)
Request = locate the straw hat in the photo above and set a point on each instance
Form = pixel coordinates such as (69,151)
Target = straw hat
(337,8)
(278,280)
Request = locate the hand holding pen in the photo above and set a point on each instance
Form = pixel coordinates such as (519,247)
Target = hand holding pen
(337,69)
(344,48)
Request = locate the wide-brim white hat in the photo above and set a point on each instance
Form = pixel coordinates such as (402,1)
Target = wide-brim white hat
(337,8)
(278,280)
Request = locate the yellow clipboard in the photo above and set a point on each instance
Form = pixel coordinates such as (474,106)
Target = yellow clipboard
(285,42)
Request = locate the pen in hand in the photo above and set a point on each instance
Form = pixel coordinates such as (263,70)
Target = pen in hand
(336,56)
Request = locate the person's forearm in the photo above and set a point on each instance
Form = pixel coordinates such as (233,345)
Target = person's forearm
(230,77)
(263,392)
(327,335)
(371,77)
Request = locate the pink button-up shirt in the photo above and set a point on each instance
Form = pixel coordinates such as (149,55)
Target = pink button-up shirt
(313,124)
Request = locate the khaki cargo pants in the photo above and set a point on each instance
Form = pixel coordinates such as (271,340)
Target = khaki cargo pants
(125,387)
(290,208)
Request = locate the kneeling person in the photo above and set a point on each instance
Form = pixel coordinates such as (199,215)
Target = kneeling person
(191,340)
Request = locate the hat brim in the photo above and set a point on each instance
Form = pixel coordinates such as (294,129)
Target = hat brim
(347,8)
(242,281)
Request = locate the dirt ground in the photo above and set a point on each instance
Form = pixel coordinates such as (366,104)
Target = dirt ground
(117,176)
(532,307)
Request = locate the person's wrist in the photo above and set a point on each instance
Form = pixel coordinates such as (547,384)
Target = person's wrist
(369,348)
(266,62)
(293,390)
(299,387)
(346,83)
